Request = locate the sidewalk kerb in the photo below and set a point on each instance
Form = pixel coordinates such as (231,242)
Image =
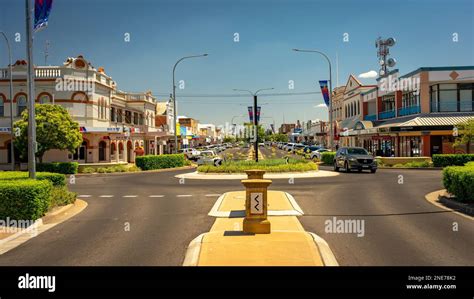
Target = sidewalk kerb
(325,252)
(432,198)
(192,252)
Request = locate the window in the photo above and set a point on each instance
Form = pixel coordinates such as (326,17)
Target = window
(410,99)
(2,103)
(128,117)
(21,104)
(358,107)
(135,118)
(45,99)
(119,115)
(452,97)
(113,114)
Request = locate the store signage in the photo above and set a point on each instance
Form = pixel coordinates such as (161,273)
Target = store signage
(5,129)
(100,129)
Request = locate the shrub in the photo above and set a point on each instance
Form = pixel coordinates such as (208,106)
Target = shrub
(101,169)
(452,159)
(133,168)
(58,167)
(271,165)
(459,181)
(56,178)
(150,162)
(61,196)
(24,199)
(421,164)
(88,170)
(328,157)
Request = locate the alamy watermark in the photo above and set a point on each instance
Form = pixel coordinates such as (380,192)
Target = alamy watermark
(12,226)
(346,226)
(393,83)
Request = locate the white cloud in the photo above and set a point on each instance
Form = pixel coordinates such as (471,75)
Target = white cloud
(322,105)
(369,74)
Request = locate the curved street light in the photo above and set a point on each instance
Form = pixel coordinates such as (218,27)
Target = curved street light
(174,98)
(330,92)
(255,120)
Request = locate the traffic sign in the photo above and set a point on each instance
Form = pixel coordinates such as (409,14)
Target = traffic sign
(256,203)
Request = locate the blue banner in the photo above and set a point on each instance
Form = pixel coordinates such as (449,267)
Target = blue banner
(325,91)
(258,113)
(42,10)
(250,108)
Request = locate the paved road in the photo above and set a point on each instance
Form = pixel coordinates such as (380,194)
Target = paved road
(401,228)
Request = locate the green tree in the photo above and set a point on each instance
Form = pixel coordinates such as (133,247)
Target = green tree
(230,139)
(278,137)
(55,129)
(465,134)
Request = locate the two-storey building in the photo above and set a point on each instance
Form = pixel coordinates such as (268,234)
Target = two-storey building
(414,114)
(115,125)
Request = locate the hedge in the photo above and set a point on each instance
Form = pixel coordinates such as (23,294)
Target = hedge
(56,178)
(328,157)
(459,181)
(150,162)
(270,165)
(58,167)
(451,159)
(24,199)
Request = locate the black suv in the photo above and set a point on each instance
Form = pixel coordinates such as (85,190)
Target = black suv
(354,158)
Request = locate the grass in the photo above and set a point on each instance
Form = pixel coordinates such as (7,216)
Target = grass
(269,165)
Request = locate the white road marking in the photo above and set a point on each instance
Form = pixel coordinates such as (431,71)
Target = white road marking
(212,195)
(106,196)
(184,195)
(84,195)
(129,196)
(156,196)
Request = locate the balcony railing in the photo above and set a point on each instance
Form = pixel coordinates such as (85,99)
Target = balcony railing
(409,110)
(452,106)
(370,117)
(387,114)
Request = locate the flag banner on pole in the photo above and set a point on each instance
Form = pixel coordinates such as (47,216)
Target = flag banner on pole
(273,128)
(325,91)
(42,10)
(258,113)
(250,113)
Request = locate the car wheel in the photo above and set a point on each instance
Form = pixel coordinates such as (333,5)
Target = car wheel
(346,166)
(335,167)
(373,170)
(359,170)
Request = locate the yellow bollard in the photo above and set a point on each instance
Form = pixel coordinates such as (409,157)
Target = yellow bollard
(256,221)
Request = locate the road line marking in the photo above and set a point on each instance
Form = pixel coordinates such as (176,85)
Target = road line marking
(106,196)
(156,196)
(84,195)
(184,195)
(129,196)
(212,195)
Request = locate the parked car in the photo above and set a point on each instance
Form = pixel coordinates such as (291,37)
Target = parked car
(209,157)
(317,153)
(261,144)
(298,146)
(354,158)
(310,148)
(288,147)
(190,153)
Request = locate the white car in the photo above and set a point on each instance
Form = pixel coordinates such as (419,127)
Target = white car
(289,147)
(209,157)
(317,153)
(190,153)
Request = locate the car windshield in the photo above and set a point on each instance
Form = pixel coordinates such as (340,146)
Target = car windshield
(356,151)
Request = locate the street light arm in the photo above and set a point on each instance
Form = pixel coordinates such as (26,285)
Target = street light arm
(263,90)
(243,90)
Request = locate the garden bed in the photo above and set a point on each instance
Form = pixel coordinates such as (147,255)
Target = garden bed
(270,165)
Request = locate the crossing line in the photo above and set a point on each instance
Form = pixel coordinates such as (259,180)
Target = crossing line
(156,196)
(184,195)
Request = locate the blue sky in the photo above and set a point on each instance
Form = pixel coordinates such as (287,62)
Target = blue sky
(163,31)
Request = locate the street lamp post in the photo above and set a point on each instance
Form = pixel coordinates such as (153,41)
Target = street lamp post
(174,99)
(11,99)
(255,119)
(330,93)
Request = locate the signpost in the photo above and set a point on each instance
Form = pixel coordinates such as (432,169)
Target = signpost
(256,203)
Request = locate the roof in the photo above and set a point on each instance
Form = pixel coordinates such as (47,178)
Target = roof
(430,119)
(439,68)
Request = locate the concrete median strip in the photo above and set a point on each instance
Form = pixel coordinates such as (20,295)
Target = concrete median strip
(288,244)
(284,175)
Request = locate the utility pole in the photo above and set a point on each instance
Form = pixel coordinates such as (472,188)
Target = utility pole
(255,119)
(31,92)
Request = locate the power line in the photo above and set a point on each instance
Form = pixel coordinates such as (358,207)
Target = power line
(235,95)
